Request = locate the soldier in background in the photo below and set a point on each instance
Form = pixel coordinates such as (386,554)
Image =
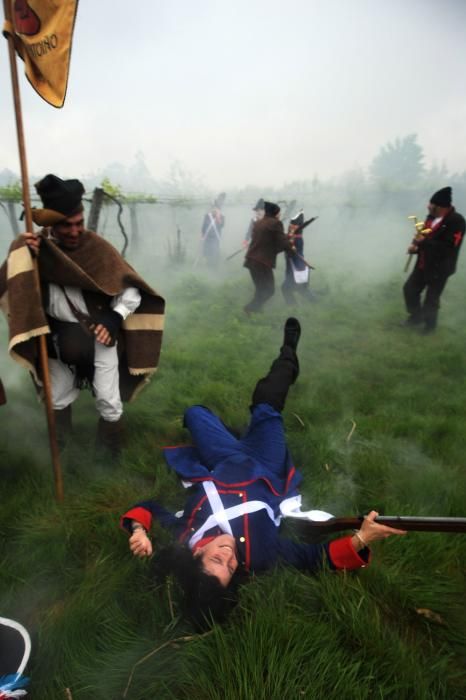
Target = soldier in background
(437,255)
(211,234)
(297,272)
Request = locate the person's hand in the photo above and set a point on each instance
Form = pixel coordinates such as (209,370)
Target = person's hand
(370,531)
(107,326)
(101,333)
(413,248)
(32,241)
(245,244)
(140,544)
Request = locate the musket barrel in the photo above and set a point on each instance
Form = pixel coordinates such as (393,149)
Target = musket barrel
(420,524)
(313,528)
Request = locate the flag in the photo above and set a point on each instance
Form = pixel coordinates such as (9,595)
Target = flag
(43,31)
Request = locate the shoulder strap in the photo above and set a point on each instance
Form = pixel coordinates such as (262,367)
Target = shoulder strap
(84,319)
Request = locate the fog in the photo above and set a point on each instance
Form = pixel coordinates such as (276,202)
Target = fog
(250,92)
(287,102)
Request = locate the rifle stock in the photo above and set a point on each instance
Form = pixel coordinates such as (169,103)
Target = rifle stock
(306,223)
(312,528)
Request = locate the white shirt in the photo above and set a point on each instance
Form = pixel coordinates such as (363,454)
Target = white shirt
(125,303)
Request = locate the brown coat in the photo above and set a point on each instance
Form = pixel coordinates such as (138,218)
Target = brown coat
(268,239)
(95,267)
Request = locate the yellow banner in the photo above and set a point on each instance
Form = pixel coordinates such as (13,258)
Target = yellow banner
(43,32)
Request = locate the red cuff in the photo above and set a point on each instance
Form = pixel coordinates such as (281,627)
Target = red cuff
(140,514)
(344,556)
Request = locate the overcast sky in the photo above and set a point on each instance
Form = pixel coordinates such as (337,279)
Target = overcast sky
(251,91)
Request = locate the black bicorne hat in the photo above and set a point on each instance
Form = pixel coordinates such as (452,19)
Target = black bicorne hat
(297,219)
(271,209)
(442,198)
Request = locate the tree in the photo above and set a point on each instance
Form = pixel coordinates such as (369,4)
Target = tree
(398,165)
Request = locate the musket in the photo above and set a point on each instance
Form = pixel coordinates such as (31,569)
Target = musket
(297,255)
(304,224)
(311,528)
(237,252)
(298,230)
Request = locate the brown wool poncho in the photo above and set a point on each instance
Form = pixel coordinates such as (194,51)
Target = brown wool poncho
(94,266)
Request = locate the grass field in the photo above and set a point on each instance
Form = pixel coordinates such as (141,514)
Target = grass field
(394,630)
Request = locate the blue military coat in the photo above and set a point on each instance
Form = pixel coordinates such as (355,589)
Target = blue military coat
(247,493)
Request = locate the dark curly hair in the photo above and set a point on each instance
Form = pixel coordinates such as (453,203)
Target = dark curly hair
(205,600)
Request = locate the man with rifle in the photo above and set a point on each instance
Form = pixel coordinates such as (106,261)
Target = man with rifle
(104,322)
(297,271)
(437,254)
(241,488)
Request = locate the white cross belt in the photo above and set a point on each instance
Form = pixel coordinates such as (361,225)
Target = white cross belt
(221,517)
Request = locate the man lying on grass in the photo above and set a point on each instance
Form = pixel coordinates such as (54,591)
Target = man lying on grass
(240,487)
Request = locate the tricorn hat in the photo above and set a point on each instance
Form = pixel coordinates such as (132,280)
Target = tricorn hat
(271,209)
(61,198)
(442,198)
(259,205)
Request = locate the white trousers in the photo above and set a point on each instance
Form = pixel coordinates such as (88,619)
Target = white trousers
(105,384)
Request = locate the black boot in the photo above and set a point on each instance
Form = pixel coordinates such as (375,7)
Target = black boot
(110,435)
(63,426)
(292,333)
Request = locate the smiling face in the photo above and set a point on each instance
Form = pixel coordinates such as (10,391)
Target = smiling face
(219,558)
(68,232)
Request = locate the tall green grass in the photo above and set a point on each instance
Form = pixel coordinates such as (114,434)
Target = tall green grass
(376,419)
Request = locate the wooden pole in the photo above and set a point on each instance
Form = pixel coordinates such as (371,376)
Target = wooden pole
(134,226)
(44,364)
(96,206)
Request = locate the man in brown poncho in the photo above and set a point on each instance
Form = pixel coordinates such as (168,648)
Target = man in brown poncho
(104,323)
